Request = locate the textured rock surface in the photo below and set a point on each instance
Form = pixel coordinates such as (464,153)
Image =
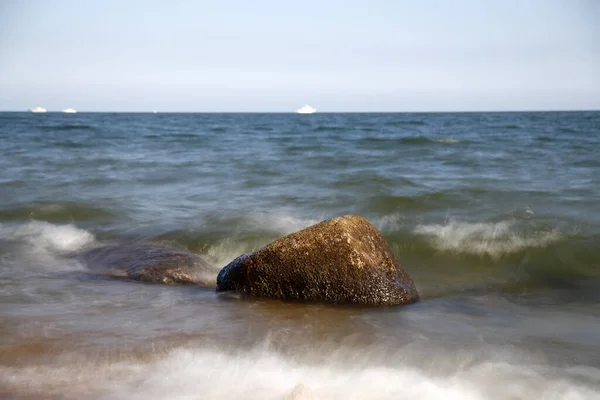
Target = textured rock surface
(148,263)
(342,260)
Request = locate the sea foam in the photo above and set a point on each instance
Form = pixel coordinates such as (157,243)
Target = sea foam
(226,250)
(280,223)
(44,244)
(263,374)
(484,238)
(53,238)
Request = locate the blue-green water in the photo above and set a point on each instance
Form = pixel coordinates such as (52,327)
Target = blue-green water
(496,216)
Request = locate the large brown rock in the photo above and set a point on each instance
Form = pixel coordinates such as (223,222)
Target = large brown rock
(149,263)
(342,260)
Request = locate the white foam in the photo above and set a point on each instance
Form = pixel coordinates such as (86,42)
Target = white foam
(262,374)
(42,244)
(53,238)
(494,239)
(225,251)
(393,222)
(445,140)
(284,224)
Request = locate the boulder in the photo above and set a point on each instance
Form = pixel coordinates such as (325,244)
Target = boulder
(342,260)
(148,263)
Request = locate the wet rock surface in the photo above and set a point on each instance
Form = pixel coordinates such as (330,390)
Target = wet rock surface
(342,260)
(148,263)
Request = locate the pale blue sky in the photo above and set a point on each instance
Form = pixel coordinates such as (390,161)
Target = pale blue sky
(233,55)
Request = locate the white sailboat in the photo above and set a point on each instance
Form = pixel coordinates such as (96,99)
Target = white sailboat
(69,111)
(306,109)
(37,110)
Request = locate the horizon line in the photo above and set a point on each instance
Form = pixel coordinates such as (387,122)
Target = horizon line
(294,112)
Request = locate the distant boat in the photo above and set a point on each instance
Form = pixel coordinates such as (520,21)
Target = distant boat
(306,109)
(69,111)
(37,110)
(154,111)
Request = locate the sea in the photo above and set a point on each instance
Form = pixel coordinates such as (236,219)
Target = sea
(496,216)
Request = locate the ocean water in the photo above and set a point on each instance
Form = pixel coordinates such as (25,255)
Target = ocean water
(496,216)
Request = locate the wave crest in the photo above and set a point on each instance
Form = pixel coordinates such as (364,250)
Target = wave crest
(263,374)
(42,246)
(484,238)
(69,127)
(44,236)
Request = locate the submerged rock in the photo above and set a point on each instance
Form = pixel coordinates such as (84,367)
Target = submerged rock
(148,263)
(342,260)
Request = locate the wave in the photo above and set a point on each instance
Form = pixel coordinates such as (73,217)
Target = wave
(386,204)
(484,238)
(511,127)
(69,127)
(428,139)
(259,222)
(223,238)
(407,122)
(589,163)
(539,256)
(56,212)
(544,138)
(372,181)
(329,128)
(40,245)
(184,135)
(567,130)
(281,223)
(44,236)
(262,128)
(411,140)
(445,140)
(261,373)
(519,258)
(365,128)
(304,148)
(227,236)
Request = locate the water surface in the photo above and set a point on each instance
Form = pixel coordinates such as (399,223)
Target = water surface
(496,216)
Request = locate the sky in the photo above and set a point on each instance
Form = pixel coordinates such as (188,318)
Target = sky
(241,55)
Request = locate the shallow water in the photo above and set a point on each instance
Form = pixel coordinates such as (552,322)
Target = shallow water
(496,216)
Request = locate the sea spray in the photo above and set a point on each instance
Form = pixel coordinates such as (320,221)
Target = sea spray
(484,238)
(261,373)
